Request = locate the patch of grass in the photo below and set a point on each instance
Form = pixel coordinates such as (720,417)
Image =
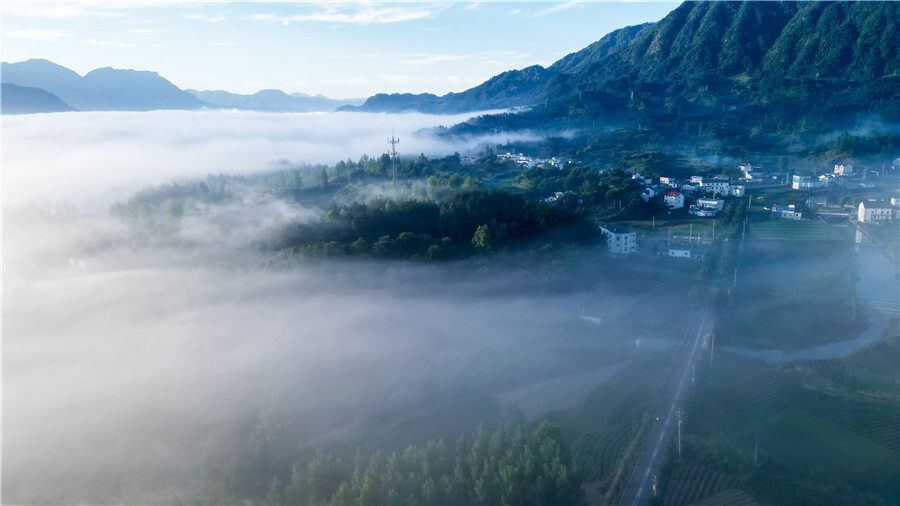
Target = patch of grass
(791,231)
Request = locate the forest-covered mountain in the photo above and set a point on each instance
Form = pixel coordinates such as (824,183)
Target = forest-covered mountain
(707,53)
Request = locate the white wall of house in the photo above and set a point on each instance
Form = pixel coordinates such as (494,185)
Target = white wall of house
(619,241)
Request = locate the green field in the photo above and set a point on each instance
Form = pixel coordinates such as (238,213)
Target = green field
(790,231)
(819,438)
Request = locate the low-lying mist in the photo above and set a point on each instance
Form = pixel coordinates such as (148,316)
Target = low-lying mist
(127,359)
(96,158)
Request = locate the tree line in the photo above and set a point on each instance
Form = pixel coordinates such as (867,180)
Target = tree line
(466,222)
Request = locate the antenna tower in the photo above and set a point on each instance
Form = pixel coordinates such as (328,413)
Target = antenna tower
(393,141)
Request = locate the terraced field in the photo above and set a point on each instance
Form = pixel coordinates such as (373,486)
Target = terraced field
(730,497)
(693,483)
(828,447)
(599,453)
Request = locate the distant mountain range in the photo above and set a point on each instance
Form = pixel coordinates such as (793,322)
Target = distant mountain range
(42,86)
(273,101)
(714,55)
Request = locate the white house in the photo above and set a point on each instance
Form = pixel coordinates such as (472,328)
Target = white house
(674,200)
(788,212)
(841,169)
(806,182)
(671,182)
(686,251)
(719,185)
(697,179)
(648,193)
(703,212)
(872,211)
(737,190)
(714,204)
(619,240)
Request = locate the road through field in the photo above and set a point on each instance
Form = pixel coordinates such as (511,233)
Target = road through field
(640,485)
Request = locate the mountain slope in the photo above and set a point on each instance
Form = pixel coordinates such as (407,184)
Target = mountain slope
(737,52)
(15,99)
(44,74)
(109,89)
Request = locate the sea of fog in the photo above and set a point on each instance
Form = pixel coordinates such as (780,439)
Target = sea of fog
(125,360)
(93,158)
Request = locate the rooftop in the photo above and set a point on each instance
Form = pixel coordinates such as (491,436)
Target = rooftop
(877,204)
(615,229)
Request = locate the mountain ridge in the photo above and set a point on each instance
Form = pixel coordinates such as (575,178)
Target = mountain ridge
(769,44)
(110,89)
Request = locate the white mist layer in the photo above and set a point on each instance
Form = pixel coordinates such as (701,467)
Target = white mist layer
(95,158)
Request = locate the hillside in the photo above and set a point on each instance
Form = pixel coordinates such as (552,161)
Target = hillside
(709,54)
(22,100)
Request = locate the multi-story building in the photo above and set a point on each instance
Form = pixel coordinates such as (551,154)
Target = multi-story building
(619,240)
(674,200)
(873,211)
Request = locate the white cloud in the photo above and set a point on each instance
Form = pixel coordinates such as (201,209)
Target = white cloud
(431,59)
(63,10)
(37,34)
(555,8)
(112,43)
(358,14)
(209,19)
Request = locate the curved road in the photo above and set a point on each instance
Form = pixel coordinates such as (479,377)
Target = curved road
(639,489)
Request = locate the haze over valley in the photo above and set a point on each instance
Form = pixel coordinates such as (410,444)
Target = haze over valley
(660,267)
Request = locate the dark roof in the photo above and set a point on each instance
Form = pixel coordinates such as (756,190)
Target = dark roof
(877,204)
(615,229)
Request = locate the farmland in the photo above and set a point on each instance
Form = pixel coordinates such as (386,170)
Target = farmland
(816,442)
(795,288)
(810,431)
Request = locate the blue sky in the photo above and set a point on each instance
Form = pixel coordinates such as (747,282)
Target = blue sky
(341,50)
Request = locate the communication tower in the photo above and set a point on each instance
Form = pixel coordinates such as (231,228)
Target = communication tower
(393,141)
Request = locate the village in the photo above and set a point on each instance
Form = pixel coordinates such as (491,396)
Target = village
(841,196)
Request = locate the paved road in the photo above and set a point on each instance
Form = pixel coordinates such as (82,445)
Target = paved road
(639,489)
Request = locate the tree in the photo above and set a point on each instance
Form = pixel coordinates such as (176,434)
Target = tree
(482,239)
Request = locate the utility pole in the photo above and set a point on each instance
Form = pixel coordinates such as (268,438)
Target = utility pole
(679,414)
(755,449)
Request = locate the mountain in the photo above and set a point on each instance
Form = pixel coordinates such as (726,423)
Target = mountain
(37,73)
(105,89)
(109,89)
(717,54)
(22,100)
(273,101)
